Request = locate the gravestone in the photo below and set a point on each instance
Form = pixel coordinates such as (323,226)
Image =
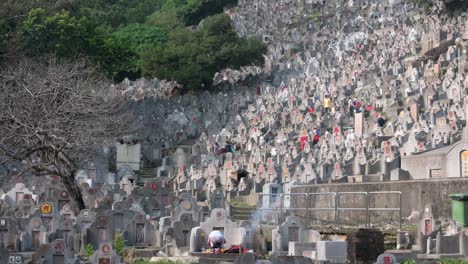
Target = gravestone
(386,258)
(233,234)
(56,252)
(17,194)
(290,232)
(105,254)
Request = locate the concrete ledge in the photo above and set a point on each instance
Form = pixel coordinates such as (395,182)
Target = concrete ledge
(415,195)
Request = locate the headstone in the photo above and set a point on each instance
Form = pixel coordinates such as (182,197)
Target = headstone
(386,258)
(358,124)
(332,251)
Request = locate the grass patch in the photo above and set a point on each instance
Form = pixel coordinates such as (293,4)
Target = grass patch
(237,203)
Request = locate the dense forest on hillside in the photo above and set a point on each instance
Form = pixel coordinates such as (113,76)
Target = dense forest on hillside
(183,40)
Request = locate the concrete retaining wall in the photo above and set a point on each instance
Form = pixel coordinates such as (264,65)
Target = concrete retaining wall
(415,195)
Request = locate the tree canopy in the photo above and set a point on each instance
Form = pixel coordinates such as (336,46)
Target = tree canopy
(193,57)
(54,114)
(129,38)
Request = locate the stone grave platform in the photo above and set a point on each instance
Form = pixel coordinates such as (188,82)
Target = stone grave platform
(215,258)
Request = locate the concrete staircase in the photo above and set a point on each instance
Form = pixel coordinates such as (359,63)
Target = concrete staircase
(143,175)
(244,212)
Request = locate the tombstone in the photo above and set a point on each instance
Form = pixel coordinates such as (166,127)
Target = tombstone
(65,232)
(233,234)
(217,199)
(141,232)
(56,252)
(49,216)
(271,195)
(430,221)
(17,194)
(386,258)
(101,231)
(332,251)
(464,163)
(105,254)
(6,258)
(290,232)
(85,219)
(34,236)
(9,237)
(126,184)
(128,154)
(186,206)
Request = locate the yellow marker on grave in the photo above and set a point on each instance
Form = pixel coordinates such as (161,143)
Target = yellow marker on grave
(46,208)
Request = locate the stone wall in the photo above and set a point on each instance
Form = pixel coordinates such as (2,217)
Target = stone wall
(415,195)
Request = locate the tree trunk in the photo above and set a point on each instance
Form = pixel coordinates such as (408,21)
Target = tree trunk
(73,190)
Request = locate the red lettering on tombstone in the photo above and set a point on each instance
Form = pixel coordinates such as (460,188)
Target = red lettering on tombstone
(387,260)
(304,141)
(336,131)
(427,227)
(104,261)
(58,247)
(387,151)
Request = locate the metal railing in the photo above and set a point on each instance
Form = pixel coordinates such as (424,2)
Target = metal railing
(359,209)
(321,209)
(394,209)
(275,203)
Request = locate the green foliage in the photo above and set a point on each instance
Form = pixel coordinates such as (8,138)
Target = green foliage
(14,12)
(192,57)
(195,10)
(453,261)
(315,16)
(61,33)
(119,13)
(167,20)
(123,48)
(119,243)
(443,261)
(136,36)
(89,250)
(129,37)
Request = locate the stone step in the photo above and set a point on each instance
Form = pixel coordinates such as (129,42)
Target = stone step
(146,253)
(215,258)
(243,209)
(146,174)
(241,218)
(242,213)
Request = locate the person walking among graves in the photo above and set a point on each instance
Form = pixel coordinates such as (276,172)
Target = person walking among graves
(351,107)
(357,105)
(316,131)
(380,121)
(327,104)
(227,148)
(316,137)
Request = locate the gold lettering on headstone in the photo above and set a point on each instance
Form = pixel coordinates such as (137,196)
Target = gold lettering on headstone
(464,163)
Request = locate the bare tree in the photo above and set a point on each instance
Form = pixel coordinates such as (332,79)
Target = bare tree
(54,114)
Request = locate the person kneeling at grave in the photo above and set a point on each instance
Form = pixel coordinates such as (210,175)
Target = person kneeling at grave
(216,240)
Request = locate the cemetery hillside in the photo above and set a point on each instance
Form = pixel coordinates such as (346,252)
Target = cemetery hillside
(233,131)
